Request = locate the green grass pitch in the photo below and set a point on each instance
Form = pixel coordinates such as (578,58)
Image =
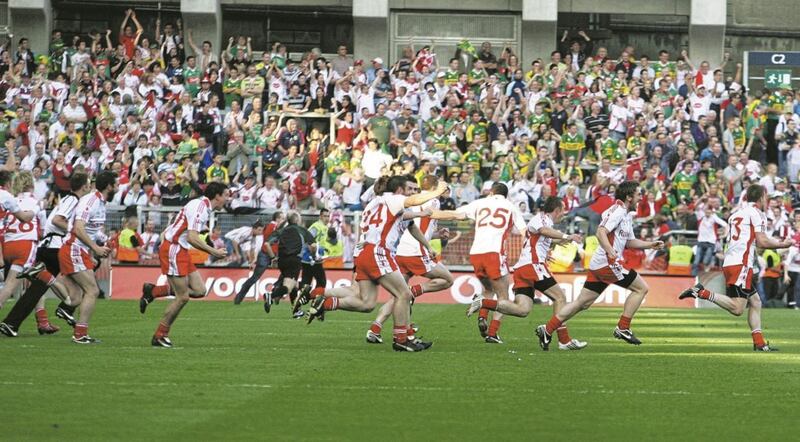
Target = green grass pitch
(238,374)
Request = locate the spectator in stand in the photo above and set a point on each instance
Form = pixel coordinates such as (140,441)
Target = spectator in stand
(708,238)
(245,199)
(217,172)
(465,191)
(303,189)
(171,192)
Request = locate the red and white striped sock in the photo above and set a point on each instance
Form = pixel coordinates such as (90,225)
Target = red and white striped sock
(330,304)
(400,333)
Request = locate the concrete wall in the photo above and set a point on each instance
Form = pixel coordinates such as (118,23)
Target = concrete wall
(204,17)
(539,24)
(32,19)
(768,15)
(371,29)
(670,7)
(461,5)
(748,25)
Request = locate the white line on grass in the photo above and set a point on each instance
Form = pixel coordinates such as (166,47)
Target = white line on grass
(471,389)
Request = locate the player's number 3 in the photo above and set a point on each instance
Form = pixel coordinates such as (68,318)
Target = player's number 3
(737,229)
(499,218)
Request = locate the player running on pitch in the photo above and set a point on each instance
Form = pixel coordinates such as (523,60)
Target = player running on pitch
(747,225)
(495,217)
(614,234)
(413,259)
(531,272)
(76,258)
(184,280)
(383,222)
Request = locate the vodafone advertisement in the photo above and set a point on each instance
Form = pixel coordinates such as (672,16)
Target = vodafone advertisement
(223,284)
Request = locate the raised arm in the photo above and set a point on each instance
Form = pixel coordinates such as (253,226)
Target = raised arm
(425,196)
(139,28)
(448,215)
(685,56)
(125,22)
(109,45)
(190,40)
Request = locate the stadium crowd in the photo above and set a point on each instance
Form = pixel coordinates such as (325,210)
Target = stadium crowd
(170,114)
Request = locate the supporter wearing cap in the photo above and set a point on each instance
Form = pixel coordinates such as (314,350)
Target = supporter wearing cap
(171,191)
(376,65)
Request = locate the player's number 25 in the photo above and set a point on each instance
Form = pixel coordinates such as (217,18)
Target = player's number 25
(498,218)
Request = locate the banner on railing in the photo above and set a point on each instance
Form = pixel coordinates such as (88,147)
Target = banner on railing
(223,284)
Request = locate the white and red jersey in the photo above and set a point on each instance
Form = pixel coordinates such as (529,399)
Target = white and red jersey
(16,230)
(793,259)
(194,216)
(744,224)
(618,220)
(495,217)
(707,227)
(537,246)
(8,203)
(246,197)
(382,222)
(149,241)
(55,235)
(91,209)
(409,246)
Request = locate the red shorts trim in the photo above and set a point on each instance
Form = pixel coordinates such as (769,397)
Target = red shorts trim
(529,274)
(73,258)
(415,265)
(489,265)
(610,274)
(739,276)
(175,260)
(20,254)
(374,262)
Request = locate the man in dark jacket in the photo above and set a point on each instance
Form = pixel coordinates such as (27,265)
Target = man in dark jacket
(292,239)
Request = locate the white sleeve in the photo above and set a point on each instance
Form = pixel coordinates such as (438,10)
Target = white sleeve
(196,219)
(11,205)
(469,210)
(535,224)
(232,235)
(758,221)
(67,207)
(396,203)
(41,215)
(368,195)
(84,210)
(612,218)
(720,221)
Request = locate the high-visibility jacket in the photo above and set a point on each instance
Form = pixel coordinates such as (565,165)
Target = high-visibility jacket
(773,271)
(129,239)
